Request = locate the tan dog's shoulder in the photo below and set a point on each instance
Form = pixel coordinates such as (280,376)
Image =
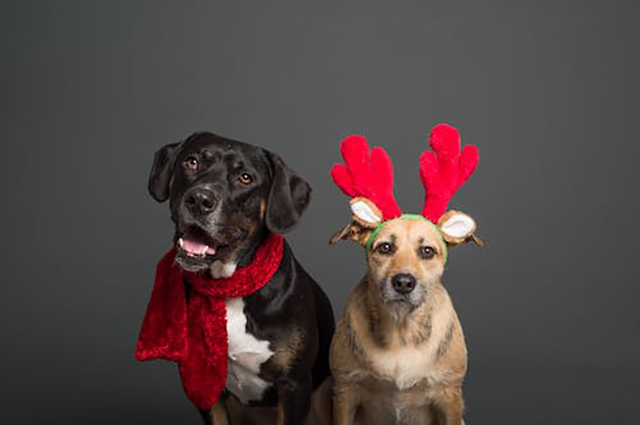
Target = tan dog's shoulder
(347,357)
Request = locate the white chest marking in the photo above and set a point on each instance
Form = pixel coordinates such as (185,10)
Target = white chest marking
(406,366)
(246,355)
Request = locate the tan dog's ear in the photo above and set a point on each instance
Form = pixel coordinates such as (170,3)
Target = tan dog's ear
(354,231)
(366,217)
(457,228)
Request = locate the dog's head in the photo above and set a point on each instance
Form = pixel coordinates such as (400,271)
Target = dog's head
(224,197)
(406,260)
(406,252)
(406,255)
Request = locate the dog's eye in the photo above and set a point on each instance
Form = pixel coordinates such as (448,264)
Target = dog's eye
(426,252)
(245,178)
(191,163)
(384,248)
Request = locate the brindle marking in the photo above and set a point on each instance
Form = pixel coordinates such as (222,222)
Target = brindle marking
(426,332)
(353,341)
(446,341)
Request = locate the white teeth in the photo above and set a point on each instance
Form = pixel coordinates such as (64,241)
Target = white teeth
(202,253)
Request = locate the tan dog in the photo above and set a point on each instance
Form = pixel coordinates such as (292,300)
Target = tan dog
(398,355)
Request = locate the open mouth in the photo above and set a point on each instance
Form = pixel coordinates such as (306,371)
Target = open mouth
(195,249)
(196,243)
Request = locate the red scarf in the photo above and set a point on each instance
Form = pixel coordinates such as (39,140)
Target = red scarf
(194,334)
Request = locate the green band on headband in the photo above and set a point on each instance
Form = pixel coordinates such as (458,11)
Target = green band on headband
(405,217)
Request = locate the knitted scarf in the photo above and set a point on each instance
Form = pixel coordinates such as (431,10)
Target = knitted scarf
(193,332)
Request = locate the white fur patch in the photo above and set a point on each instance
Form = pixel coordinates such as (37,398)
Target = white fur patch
(408,365)
(458,226)
(222,270)
(246,355)
(364,212)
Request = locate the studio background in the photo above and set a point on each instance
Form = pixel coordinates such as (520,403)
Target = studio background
(547,90)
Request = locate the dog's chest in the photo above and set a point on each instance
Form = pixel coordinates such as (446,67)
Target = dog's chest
(404,367)
(246,354)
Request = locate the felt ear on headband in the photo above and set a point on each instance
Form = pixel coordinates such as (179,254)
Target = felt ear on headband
(365,212)
(366,218)
(457,227)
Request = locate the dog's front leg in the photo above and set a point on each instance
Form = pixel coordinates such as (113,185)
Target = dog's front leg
(217,415)
(294,401)
(449,407)
(345,404)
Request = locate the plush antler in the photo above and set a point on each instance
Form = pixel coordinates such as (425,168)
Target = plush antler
(445,169)
(366,174)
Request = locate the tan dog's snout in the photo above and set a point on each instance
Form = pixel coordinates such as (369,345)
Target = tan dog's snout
(403,283)
(401,288)
(406,260)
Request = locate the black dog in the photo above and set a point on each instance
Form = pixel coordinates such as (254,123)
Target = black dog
(225,198)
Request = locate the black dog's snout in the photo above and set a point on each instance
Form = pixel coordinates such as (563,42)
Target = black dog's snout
(403,283)
(200,201)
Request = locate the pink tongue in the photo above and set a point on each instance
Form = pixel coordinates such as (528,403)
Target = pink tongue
(196,248)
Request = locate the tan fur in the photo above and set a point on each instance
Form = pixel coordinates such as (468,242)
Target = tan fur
(219,413)
(392,363)
(280,413)
(287,351)
(354,231)
(263,210)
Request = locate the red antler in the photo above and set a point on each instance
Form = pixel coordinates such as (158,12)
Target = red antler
(445,169)
(369,175)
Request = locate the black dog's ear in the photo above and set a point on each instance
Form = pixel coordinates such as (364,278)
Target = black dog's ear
(288,198)
(160,175)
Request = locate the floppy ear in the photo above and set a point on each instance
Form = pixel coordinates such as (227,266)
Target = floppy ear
(457,228)
(160,175)
(365,219)
(354,231)
(288,198)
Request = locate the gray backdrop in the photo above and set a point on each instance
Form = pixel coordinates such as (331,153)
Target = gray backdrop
(547,90)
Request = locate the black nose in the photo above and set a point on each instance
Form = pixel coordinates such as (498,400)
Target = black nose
(200,201)
(403,283)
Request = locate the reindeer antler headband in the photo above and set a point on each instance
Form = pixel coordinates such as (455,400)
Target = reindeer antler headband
(367,177)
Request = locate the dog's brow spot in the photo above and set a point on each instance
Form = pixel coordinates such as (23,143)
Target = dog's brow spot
(207,153)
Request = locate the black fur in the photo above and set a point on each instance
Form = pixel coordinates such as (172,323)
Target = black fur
(237,218)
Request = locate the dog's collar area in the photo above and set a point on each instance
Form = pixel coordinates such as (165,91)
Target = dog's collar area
(405,217)
(172,327)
